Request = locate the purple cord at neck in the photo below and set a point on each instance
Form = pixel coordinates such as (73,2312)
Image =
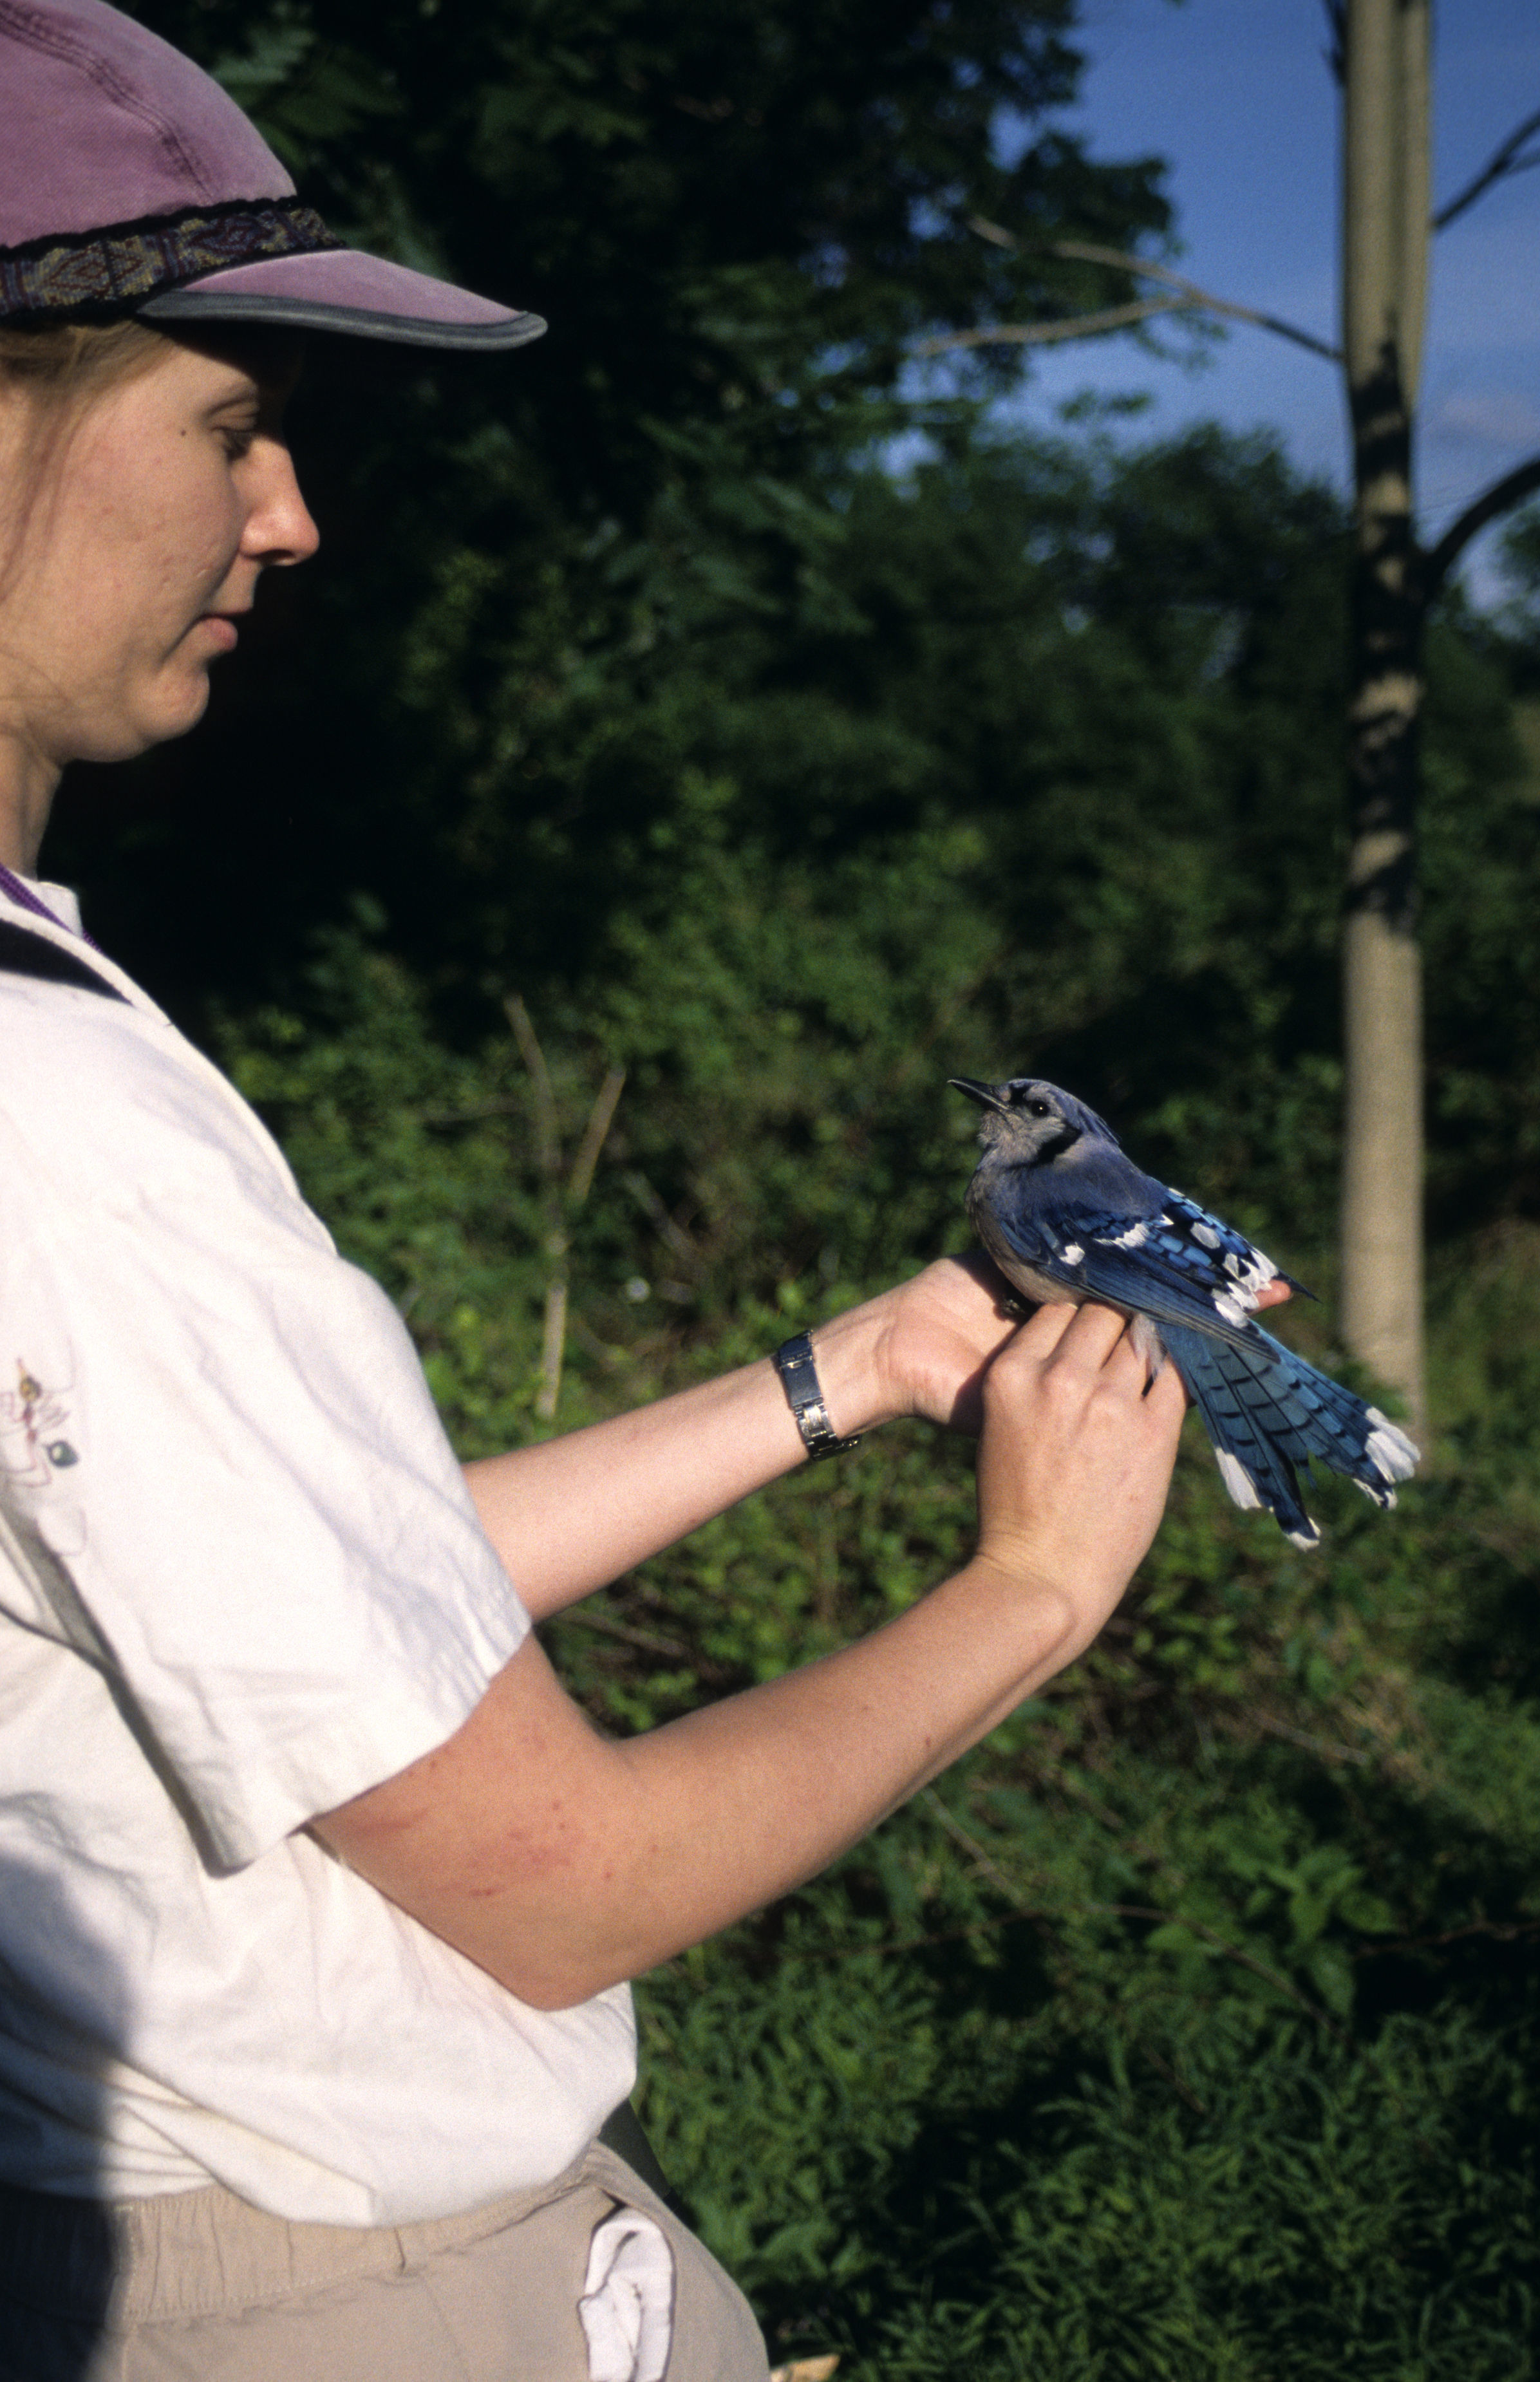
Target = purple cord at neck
(22,892)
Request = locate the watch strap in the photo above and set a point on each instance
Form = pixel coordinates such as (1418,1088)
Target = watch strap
(799,1378)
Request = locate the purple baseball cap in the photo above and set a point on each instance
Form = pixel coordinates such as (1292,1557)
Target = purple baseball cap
(131,184)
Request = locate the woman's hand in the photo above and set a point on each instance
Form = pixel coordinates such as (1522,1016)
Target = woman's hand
(925,1347)
(1075,1460)
(942,1331)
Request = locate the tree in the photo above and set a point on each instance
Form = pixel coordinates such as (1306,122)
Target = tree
(1384,70)
(1380,55)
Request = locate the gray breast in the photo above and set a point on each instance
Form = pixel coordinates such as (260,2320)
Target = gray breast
(1039,1287)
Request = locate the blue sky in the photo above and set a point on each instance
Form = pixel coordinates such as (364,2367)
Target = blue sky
(1236,95)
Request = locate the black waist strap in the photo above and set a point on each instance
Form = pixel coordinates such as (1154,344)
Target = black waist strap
(621,2133)
(23,954)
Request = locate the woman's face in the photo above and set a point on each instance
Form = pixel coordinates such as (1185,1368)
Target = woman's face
(132,564)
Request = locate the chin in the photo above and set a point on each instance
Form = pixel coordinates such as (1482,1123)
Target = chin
(149,715)
(173,712)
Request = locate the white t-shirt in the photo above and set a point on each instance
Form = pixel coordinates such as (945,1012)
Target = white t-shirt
(240,1581)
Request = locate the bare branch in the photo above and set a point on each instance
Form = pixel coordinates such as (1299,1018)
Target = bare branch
(594,1135)
(1038,335)
(1082,251)
(553,1339)
(547,1142)
(1505,160)
(548,1137)
(553,1345)
(1501,1931)
(583,1616)
(1322,1745)
(669,1232)
(1190,299)
(1500,497)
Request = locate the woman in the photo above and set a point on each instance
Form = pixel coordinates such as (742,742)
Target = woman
(320,1897)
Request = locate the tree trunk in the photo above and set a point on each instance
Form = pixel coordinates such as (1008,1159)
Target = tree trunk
(1385,268)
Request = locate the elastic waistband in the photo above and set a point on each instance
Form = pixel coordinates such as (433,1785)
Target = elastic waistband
(208,2252)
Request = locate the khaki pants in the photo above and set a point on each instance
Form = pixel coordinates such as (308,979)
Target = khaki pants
(199,2287)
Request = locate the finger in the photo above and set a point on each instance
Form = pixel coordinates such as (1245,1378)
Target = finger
(1043,1332)
(1092,1337)
(1167,1398)
(1273,1294)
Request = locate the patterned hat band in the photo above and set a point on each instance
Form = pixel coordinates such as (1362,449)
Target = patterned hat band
(115,271)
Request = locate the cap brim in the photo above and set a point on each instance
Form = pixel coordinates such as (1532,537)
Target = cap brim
(342,290)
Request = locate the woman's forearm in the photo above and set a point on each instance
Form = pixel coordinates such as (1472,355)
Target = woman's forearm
(570,1514)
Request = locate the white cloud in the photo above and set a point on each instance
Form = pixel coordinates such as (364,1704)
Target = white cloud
(1496,417)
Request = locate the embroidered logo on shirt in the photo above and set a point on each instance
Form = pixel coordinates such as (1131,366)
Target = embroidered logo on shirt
(34,1448)
(31,1432)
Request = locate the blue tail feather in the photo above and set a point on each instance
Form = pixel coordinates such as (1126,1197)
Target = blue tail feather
(1269,1415)
(1257,1444)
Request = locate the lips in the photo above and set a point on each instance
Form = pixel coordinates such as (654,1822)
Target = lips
(224,626)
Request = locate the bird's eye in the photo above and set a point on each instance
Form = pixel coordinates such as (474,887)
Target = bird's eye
(1039,1107)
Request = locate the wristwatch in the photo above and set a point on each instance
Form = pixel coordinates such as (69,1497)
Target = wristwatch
(799,1378)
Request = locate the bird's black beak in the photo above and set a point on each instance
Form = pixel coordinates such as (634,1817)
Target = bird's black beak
(985,1094)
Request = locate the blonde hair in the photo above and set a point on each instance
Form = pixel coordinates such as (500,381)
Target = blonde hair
(64,364)
(57,373)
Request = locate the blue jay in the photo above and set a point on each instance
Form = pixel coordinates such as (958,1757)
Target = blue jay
(1064,1215)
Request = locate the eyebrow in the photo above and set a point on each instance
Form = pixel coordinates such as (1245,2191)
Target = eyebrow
(252,395)
(258,402)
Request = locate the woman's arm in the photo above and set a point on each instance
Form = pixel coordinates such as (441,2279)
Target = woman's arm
(562,1864)
(573,1512)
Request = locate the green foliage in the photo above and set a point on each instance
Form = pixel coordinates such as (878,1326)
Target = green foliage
(1323,2215)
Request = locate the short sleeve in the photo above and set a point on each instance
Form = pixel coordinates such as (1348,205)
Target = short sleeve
(220,1434)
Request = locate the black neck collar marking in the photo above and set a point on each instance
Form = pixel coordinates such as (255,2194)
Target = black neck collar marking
(1066,1138)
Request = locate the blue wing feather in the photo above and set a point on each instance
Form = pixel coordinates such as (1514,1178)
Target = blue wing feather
(1163,1256)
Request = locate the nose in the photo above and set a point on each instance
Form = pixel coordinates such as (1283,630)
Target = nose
(279,530)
